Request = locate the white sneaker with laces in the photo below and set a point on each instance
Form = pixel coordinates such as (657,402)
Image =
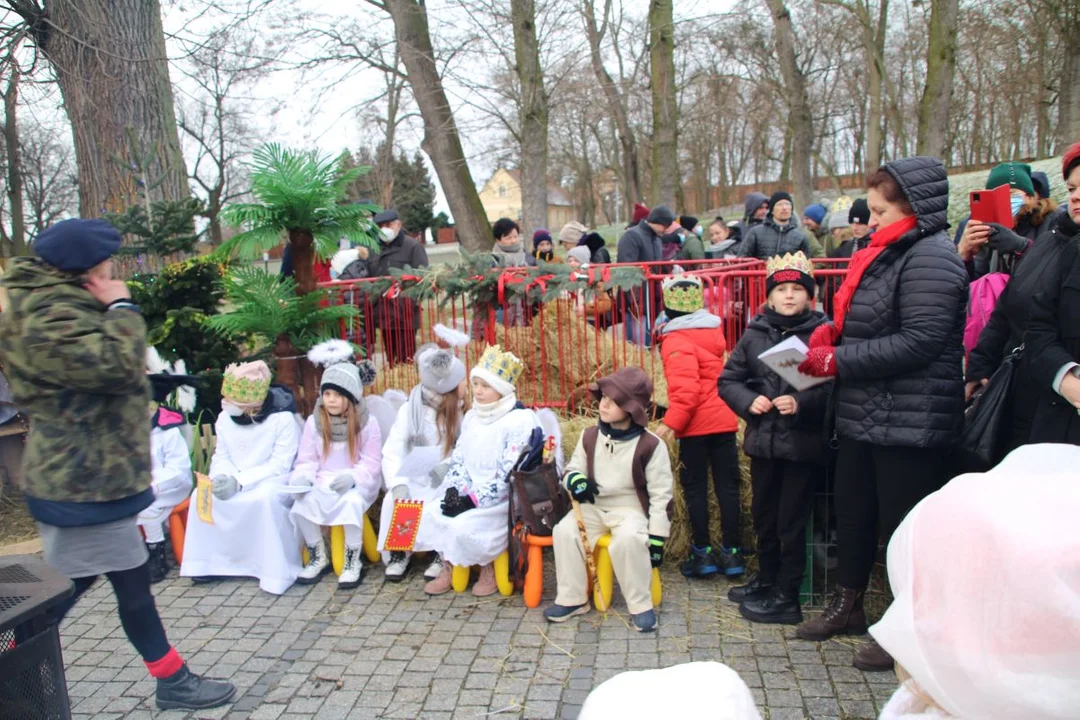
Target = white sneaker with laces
(352,569)
(318,564)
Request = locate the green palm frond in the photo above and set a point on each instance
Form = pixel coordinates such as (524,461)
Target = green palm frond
(267,306)
(297,190)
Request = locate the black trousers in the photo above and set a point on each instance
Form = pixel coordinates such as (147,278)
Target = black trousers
(697,454)
(138,613)
(876,487)
(783,494)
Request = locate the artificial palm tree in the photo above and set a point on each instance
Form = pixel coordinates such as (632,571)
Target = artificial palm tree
(268,308)
(299,194)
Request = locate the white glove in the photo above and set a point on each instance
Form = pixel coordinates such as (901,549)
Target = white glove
(301,481)
(400,492)
(225,486)
(342,482)
(438,473)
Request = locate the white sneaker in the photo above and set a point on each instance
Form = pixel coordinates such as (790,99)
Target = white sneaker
(434,568)
(352,570)
(318,564)
(398,566)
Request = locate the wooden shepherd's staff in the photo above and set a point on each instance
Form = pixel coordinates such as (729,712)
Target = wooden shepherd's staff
(590,561)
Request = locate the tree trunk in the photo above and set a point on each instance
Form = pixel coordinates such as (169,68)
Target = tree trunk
(940,68)
(111,66)
(874,42)
(1068,130)
(441,141)
(800,119)
(665,150)
(616,105)
(302,246)
(14,164)
(533,118)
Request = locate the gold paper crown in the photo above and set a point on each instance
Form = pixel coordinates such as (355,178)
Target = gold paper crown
(789,261)
(503,365)
(683,293)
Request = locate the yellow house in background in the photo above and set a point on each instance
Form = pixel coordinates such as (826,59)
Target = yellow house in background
(501,197)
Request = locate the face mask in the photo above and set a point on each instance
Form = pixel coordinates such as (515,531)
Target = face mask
(1017,202)
(388,234)
(231,410)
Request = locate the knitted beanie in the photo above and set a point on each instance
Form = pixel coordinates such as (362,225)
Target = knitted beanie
(661,215)
(1070,160)
(343,377)
(683,294)
(1042,184)
(540,236)
(640,213)
(859,212)
(341,374)
(572,232)
(688,222)
(581,253)
(246,384)
(815,212)
(1013,174)
(839,220)
(439,369)
(777,197)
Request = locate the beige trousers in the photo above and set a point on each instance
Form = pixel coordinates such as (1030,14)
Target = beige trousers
(629,551)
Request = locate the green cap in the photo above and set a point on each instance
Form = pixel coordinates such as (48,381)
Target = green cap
(1013,174)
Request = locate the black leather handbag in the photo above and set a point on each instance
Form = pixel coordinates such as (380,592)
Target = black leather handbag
(987,418)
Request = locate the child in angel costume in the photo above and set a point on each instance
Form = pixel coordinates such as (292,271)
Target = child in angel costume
(170,457)
(250,534)
(431,418)
(469,526)
(339,462)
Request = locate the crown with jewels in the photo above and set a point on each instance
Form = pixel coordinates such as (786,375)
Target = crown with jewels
(683,293)
(788,263)
(503,365)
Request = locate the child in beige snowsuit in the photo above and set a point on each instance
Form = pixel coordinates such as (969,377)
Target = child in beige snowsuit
(621,474)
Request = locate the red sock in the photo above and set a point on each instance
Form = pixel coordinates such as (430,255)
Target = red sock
(167,666)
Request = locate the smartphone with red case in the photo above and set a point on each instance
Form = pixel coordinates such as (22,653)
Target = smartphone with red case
(993,206)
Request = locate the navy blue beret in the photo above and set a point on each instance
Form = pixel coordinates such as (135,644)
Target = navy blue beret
(386,216)
(77,245)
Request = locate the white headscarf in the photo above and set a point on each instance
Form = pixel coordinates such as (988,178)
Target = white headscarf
(691,690)
(986,575)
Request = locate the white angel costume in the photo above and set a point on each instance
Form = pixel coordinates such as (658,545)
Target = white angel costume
(170,471)
(252,535)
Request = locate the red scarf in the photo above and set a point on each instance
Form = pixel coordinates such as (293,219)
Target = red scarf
(861,260)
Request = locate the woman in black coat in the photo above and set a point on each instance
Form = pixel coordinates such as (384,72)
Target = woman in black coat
(896,350)
(1052,342)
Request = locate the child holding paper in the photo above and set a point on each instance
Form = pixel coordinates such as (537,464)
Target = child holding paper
(430,420)
(784,438)
(340,459)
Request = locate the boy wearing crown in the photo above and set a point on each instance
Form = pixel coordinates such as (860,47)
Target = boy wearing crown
(621,474)
(784,440)
(469,526)
(693,348)
(247,532)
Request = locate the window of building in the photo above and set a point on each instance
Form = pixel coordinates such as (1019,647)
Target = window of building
(502,191)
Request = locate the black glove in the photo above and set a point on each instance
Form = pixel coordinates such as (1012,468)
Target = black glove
(581,488)
(1005,241)
(454,503)
(656,550)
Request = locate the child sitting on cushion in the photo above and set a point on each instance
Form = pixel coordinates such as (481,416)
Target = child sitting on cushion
(251,534)
(431,418)
(340,459)
(469,526)
(621,473)
(784,439)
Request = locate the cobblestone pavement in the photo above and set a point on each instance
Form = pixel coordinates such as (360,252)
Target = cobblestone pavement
(389,651)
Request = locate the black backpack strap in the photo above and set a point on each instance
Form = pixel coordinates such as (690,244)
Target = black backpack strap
(643,452)
(588,443)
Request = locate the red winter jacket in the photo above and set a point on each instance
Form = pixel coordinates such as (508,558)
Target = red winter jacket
(693,361)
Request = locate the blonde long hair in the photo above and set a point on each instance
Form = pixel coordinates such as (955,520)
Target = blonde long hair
(452,408)
(352,423)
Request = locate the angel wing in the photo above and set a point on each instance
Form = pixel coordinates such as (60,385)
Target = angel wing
(396,398)
(383,412)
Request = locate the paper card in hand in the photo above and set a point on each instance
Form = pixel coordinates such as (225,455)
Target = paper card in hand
(404,524)
(204,498)
(784,359)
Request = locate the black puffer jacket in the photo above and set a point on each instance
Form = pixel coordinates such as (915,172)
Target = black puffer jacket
(769,239)
(900,359)
(639,244)
(800,437)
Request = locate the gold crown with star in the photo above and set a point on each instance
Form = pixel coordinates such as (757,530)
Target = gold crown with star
(503,365)
(683,293)
(790,261)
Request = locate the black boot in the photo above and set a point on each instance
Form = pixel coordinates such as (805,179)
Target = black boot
(780,607)
(184,690)
(755,589)
(159,565)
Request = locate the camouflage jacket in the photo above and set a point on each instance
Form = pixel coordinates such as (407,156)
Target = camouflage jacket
(78,372)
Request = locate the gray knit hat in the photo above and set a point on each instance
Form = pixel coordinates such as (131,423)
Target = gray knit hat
(839,219)
(439,369)
(581,253)
(341,374)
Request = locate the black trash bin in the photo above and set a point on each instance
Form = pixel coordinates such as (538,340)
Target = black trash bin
(32,685)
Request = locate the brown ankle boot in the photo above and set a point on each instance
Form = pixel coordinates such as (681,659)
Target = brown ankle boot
(873,658)
(485,584)
(441,584)
(843,616)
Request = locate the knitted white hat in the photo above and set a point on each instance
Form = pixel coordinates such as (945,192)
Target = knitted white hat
(341,374)
(439,369)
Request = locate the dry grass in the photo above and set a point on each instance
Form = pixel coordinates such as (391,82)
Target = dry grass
(16,525)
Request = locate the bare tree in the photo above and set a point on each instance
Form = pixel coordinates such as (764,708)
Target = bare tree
(50,178)
(15,241)
(940,68)
(666,179)
(110,63)
(533,117)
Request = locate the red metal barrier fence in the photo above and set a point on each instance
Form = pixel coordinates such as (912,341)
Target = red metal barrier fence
(564,343)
